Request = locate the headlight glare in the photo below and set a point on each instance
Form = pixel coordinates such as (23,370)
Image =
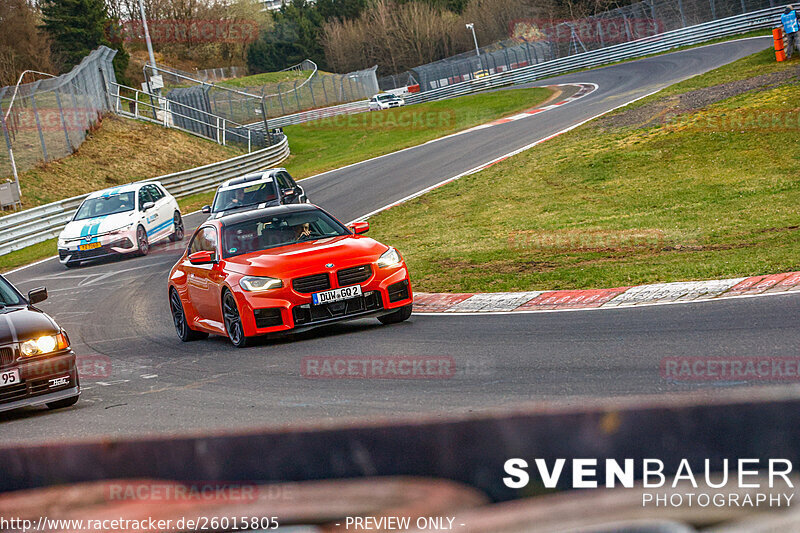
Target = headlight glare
(257,283)
(44,345)
(389,258)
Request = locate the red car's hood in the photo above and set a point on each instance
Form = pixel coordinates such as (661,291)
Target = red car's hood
(308,258)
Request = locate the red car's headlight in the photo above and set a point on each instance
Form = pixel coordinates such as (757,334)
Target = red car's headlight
(255,283)
(390,257)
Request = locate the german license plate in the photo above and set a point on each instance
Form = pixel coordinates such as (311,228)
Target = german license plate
(9,377)
(336,295)
(84,247)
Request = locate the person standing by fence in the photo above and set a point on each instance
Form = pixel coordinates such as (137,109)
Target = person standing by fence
(790,28)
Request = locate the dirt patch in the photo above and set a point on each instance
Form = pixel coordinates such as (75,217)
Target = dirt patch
(661,110)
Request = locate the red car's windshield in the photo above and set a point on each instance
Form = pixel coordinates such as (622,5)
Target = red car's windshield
(273,231)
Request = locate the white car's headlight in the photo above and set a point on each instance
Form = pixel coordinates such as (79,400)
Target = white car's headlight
(389,258)
(44,345)
(123,229)
(255,283)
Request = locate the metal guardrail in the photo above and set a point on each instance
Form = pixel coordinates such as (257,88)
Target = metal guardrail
(692,35)
(170,114)
(38,224)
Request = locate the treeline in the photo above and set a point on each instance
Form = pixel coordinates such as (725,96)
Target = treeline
(398,37)
(346,35)
(54,35)
(169,17)
(339,35)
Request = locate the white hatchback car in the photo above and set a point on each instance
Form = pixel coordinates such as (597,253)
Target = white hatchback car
(121,220)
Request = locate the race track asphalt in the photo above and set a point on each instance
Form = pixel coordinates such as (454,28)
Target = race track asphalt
(148,382)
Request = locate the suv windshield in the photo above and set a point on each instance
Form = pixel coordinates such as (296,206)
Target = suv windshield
(248,195)
(106,205)
(8,295)
(273,231)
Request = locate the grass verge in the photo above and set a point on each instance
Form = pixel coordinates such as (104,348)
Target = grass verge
(266,78)
(120,151)
(713,193)
(27,255)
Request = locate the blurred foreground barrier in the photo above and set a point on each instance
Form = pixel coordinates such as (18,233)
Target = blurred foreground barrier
(472,449)
(38,224)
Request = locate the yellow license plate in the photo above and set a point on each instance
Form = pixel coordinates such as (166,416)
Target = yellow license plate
(92,246)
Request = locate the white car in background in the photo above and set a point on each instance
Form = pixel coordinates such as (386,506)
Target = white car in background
(121,220)
(385,101)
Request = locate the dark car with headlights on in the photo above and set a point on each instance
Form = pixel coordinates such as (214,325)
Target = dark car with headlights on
(37,365)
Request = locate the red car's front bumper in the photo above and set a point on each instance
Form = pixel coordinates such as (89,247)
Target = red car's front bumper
(286,310)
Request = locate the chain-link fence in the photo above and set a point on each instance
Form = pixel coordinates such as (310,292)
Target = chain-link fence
(536,40)
(49,118)
(251,104)
(396,81)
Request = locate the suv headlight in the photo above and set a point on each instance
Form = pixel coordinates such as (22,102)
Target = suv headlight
(44,345)
(390,257)
(256,283)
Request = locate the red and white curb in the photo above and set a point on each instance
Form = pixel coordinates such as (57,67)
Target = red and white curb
(584,89)
(563,300)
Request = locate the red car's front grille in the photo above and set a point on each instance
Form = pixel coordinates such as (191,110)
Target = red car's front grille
(309,284)
(353,275)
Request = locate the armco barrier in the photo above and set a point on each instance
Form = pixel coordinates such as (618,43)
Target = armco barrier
(38,224)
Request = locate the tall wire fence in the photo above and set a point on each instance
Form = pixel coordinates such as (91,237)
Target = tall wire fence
(534,41)
(49,118)
(247,104)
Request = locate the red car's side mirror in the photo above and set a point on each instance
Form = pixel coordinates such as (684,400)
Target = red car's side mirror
(359,227)
(202,258)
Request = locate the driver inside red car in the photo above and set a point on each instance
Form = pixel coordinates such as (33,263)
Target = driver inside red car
(301,231)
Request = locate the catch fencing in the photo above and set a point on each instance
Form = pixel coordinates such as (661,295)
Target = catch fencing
(24,228)
(535,41)
(49,118)
(253,104)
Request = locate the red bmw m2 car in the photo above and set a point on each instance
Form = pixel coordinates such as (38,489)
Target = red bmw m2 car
(283,269)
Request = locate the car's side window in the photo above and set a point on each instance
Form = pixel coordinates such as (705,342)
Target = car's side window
(281,179)
(155,193)
(144,197)
(204,240)
(289,179)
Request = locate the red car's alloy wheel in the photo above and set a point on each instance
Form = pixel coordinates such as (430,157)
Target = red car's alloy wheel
(233,322)
(185,333)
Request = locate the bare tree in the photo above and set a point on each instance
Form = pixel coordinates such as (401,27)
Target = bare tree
(22,45)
